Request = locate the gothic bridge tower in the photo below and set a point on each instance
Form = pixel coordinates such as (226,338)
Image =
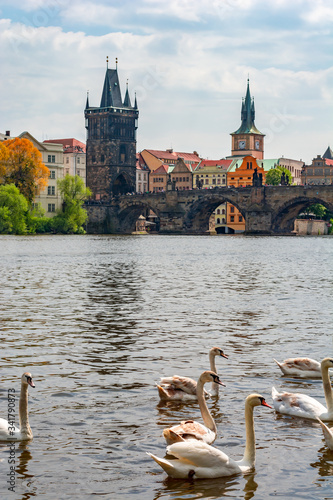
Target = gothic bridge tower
(111,141)
(247,140)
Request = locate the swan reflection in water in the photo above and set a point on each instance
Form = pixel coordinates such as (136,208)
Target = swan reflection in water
(324,464)
(207,488)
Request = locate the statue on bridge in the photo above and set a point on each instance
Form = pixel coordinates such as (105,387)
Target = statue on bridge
(257,178)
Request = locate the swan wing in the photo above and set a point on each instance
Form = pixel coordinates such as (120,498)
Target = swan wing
(297,405)
(191,429)
(185,384)
(198,453)
(4,431)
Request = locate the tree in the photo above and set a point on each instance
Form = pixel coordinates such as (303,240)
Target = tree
(21,164)
(73,216)
(273,176)
(13,210)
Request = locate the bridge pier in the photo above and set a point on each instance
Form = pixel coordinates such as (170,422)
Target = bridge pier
(258,222)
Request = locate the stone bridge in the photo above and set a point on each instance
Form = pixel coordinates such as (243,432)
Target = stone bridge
(266,210)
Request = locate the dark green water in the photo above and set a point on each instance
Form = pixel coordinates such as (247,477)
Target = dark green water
(97,321)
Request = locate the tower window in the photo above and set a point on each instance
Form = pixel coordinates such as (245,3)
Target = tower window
(122,153)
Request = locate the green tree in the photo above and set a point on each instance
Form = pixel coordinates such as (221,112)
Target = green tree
(13,210)
(273,176)
(73,216)
(318,210)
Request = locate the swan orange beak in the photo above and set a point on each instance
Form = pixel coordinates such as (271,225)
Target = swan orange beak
(223,355)
(263,403)
(30,382)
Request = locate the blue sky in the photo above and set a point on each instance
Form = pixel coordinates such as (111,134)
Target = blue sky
(187,60)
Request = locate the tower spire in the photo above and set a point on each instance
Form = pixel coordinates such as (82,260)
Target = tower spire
(127,101)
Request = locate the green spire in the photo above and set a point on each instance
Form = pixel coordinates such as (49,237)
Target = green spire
(248,115)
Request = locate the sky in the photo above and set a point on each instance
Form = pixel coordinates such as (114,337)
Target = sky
(188,62)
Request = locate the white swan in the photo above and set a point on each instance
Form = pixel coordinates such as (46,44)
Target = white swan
(196,459)
(300,367)
(191,429)
(184,388)
(301,405)
(8,432)
(328,434)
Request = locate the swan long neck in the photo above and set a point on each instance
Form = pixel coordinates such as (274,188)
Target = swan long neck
(327,388)
(250,448)
(215,387)
(23,412)
(205,413)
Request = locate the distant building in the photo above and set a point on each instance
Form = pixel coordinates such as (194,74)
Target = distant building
(111,141)
(52,155)
(142,175)
(320,171)
(154,158)
(247,140)
(74,156)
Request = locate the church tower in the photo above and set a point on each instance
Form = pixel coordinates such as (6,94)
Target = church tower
(111,141)
(247,140)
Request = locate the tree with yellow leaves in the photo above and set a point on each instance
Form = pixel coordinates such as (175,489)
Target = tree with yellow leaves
(21,164)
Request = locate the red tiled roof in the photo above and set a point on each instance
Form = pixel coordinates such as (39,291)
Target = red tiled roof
(163,169)
(70,145)
(167,155)
(328,161)
(225,164)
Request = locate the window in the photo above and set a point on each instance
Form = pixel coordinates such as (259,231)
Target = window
(52,174)
(206,181)
(240,218)
(51,158)
(51,190)
(223,211)
(218,211)
(223,220)
(102,158)
(232,208)
(232,218)
(78,159)
(218,220)
(51,207)
(122,153)
(67,159)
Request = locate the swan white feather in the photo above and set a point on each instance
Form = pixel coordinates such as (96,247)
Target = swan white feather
(196,459)
(9,432)
(300,367)
(182,388)
(301,405)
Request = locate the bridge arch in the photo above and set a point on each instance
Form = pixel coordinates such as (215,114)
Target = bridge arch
(130,210)
(199,212)
(284,217)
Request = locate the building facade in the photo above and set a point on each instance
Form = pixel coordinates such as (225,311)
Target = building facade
(52,155)
(74,156)
(320,171)
(111,141)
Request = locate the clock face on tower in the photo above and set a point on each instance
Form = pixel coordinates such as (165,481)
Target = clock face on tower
(257,144)
(241,144)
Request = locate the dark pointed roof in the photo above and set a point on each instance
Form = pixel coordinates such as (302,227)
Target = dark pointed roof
(328,154)
(135,103)
(111,95)
(247,115)
(87,101)
(127,100)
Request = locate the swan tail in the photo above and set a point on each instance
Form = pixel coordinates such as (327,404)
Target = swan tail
(328,434)
(165,464)
(274,393)
(279,364)
(162,392)
(172,437)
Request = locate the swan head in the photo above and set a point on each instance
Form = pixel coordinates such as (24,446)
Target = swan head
(27,379)
(216,351)
(327,363)
(209,376)
(256,400)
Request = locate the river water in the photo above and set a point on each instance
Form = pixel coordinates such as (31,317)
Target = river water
(98,319)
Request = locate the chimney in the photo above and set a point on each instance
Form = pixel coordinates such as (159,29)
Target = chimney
(7,133)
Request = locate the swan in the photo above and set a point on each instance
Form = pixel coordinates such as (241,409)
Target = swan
(8,432)
(328,434)
(196,459)
(191,429)
(184,388)
(301,405)
(300,367)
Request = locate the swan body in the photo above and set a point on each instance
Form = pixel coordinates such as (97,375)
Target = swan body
(328,434)
(300,367)
(184,388)
(196,459)
(9,432)
(301,405)
(190,429)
